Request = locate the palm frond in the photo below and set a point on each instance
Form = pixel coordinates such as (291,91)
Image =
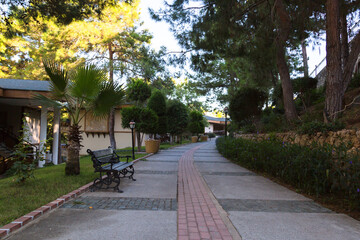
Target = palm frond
(87,82)
(48,102)
(110,95)
(58,78)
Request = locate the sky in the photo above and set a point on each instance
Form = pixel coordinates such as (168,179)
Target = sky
(160,30)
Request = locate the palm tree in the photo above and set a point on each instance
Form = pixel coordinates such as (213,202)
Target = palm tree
(87,90)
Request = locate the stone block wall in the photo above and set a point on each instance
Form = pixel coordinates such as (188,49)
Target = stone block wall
(333,138)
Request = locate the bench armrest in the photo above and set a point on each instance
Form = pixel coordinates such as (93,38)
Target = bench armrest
(127,158)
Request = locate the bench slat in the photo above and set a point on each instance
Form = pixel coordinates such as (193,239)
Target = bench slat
(122,166)
(103,152)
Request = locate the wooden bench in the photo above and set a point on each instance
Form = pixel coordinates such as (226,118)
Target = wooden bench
(111,169)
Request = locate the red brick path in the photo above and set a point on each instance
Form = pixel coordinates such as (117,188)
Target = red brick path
(198,217)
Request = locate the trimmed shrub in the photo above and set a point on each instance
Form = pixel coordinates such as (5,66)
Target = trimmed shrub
(316,126)
(158,104)
(196,124)
(315,169)
(138,91)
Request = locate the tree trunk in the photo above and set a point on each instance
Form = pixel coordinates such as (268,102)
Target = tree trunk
(283,30)
(351,61)
(334,83)
(72,163)
(112,111)
(344,38)
(138,137)
(305,60)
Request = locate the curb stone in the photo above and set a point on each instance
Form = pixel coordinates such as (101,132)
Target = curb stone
(7,229)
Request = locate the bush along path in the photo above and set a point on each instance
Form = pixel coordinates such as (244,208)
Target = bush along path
(327,171)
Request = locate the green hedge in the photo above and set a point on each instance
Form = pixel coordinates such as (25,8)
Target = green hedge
(315,170)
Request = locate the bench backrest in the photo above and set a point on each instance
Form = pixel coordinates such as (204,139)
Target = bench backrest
(100,157)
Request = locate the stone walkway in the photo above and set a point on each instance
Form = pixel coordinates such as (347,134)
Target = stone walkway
(192,192)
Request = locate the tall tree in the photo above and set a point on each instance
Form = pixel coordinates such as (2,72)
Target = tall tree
(333,101)
(252,27)
(111,37)
(340,61)
(283,31)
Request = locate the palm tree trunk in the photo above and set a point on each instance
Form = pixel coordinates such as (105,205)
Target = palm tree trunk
(112,111)
(73,149)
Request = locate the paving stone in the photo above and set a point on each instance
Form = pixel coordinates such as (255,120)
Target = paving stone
(229,173)
(272,206)
(111,203)
(197,162)
(157,160)
(155,172)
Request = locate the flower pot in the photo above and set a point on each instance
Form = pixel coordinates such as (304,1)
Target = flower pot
(194,139)
(204,138)
(152,146)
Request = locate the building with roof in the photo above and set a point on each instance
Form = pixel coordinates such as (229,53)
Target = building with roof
(17,101)
(216,125)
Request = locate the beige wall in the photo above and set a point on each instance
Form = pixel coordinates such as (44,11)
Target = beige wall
(33,125)
(96,141)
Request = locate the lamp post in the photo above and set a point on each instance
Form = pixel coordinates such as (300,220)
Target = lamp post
(226,110)
(132,126)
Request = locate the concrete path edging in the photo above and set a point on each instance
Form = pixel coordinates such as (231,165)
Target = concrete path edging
(9,228)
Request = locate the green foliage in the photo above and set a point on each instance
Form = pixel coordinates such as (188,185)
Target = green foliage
(187,93)
(211,135)
(315,170)
(273,121)
(75,10)
(138,91)
(25,161)
(23,170)
(157,103)
(304,84)
(146,120)
(305,88)
(177,117)
(316,126)
(85,91)
(355,82)
(245,103)
(196,123)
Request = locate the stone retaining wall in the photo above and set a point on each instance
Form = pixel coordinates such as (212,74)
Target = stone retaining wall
(333,138)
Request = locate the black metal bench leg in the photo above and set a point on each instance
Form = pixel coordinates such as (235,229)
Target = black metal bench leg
(116,179)
(132,171)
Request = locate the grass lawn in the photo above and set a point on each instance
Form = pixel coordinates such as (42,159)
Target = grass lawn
(49,184)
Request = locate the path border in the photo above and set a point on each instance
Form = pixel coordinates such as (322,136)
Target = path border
(17,224)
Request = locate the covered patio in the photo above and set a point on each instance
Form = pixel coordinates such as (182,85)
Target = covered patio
(16,102)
